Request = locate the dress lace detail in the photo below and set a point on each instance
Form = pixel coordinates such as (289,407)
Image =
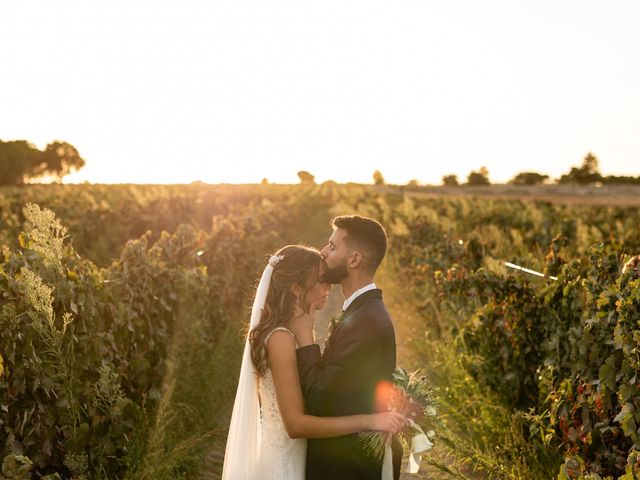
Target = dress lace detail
(281,457)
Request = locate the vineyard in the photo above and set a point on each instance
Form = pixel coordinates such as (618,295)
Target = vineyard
(122,309)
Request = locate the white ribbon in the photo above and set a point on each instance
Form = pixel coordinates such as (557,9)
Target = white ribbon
(419,443)
(387,463)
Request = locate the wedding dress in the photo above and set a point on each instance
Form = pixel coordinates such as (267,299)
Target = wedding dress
(279,457)
(258,446)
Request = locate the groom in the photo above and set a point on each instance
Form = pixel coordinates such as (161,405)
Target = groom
(349,377)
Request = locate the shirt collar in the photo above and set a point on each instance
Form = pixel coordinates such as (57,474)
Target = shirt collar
(356,294)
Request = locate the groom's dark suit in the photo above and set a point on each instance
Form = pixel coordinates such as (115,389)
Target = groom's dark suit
(359,354)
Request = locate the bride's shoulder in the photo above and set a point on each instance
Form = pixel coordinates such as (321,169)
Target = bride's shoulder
(279,331)
(280,337)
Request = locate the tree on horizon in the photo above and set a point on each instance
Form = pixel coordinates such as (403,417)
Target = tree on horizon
(21,161)
(480,177)
(378,179)
(588,172)
(306,178)
(528,178)
(450,180)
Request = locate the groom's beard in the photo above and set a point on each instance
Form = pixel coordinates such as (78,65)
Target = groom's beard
(335,275)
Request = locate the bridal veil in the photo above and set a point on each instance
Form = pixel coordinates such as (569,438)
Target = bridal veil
(243,441)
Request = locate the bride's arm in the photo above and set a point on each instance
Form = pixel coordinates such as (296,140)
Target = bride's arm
(281,348)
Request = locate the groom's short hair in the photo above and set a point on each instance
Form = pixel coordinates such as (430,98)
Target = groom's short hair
(364,234)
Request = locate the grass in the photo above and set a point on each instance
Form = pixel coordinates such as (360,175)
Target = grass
(189,427)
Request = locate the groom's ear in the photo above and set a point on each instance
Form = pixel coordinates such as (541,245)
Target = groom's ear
(355,260)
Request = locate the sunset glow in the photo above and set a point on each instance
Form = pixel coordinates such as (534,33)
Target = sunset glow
(229,91)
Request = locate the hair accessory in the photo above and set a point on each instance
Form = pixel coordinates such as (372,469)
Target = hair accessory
(273,261)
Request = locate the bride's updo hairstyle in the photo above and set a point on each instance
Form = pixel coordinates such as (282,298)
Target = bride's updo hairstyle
(298,265)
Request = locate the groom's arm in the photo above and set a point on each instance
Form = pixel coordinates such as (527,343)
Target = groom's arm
(345,372)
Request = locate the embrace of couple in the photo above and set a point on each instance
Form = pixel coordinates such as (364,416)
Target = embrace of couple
(298,411)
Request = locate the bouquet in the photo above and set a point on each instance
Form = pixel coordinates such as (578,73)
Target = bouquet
(410,395)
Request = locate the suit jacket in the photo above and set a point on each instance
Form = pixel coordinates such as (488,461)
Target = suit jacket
(360,354)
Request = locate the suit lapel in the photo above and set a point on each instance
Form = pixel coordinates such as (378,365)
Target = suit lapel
(353,306)
(360,299)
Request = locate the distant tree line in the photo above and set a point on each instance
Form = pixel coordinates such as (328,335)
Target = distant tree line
(21,161)
(586,174)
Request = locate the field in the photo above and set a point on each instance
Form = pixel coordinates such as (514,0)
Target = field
(606,195)
(122,311)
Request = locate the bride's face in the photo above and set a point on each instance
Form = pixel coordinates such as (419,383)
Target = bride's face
(318,294)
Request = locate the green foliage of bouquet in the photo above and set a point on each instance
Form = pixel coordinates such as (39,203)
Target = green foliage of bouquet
(410,395)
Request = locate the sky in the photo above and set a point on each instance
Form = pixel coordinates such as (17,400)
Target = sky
(157,91)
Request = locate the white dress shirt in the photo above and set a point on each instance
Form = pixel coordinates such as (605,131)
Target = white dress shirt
(356,294)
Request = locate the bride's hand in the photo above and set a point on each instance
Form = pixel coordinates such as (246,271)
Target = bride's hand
(390,422)
(302,326)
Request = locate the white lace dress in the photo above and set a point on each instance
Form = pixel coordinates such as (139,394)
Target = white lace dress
(280,457)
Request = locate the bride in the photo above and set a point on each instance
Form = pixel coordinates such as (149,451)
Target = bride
(269,426)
